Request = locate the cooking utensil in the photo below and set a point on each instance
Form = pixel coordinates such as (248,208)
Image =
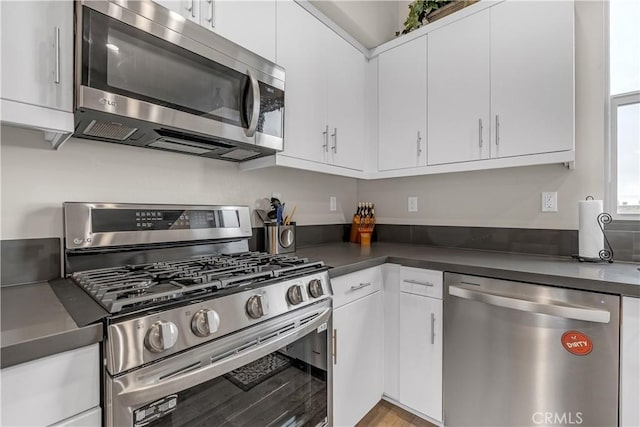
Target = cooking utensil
(290,216)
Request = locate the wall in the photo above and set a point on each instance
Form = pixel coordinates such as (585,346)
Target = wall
(511,197)
(37,180)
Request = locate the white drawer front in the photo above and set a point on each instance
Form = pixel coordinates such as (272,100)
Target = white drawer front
(90,418)
(351,287)
(51,389)
(419,281)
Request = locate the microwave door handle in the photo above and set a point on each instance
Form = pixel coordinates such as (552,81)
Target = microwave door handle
(255,113)
(563,311)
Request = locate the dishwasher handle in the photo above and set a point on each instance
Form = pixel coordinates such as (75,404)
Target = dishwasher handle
(566,311)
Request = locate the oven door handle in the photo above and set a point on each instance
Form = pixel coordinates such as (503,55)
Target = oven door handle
(132,395)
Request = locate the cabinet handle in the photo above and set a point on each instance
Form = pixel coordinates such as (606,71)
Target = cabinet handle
(480,132)
(191,9)
(419,151)
(212,13)
(433,328)
(57,37)
(497,129)
(326,138)
(360,286)
(335,140)
(417,282)
(335,346)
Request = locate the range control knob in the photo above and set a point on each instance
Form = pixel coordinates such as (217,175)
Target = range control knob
(161,336)
(205,322)
(257,307)
(315,288)
(294,295)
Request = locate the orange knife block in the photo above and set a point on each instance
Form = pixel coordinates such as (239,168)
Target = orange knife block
(359,226)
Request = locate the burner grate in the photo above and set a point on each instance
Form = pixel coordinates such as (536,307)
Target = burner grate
(146,285)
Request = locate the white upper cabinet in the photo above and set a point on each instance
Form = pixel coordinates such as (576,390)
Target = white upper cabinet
(532,77)
(251,24)
(498,91)
(346,81)
(458,81)
(300,50)
(402,106)
(190,9)
(37,66)
(324,98)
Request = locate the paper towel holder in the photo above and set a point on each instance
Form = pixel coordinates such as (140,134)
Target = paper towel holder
(606,254)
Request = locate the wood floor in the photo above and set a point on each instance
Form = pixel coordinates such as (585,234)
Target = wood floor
(384,414)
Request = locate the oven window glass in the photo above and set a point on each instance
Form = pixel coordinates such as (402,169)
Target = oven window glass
(121,59)
(285,388)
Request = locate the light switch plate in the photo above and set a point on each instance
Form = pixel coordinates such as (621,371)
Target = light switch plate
(332,203)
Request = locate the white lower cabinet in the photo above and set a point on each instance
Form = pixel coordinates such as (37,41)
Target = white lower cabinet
(358,377)
(630,363)
(63,388)
(92,417)
(420,346)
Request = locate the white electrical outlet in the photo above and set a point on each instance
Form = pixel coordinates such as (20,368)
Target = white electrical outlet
(550,201)
(332,204)
(412,204)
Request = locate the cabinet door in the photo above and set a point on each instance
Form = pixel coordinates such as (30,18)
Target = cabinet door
(346,80)
(301,41)
(458,85)
(402,106)
(190,9)
(420,354)
(532,77)
(37,53)
(51,389)
(630,362)
(358,376)
(251,24)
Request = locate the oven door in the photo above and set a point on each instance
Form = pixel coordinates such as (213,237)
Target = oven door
(274,374)
(145,62)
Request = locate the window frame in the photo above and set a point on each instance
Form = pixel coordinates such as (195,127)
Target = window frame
(611,129)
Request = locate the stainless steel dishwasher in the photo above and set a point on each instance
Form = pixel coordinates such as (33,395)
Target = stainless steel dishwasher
(519,354)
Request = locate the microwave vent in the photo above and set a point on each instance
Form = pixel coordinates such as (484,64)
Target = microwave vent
(182,146)
(109,130)
(239,154)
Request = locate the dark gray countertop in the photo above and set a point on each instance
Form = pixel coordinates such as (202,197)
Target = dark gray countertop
(619,278)
(35,324)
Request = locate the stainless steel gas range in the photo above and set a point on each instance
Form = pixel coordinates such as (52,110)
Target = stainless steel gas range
(201,331)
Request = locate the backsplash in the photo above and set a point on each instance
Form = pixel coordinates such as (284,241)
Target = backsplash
(32,260)
(29,260)
(624,239)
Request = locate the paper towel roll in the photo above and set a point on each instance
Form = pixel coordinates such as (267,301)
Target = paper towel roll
(590,237)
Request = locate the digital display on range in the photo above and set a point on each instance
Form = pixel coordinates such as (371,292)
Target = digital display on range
(115,220)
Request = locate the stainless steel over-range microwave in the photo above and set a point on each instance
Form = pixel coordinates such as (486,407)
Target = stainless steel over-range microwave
(148,77)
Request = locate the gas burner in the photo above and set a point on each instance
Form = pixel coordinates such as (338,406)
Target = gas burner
(145,285)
